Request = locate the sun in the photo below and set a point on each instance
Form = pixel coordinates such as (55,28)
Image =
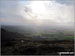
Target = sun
(38,9)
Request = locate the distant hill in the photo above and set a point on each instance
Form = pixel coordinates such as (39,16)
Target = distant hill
(8,36)
(16,43)
(34,29)
(16,33)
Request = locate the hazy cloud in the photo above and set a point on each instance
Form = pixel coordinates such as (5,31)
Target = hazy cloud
(57,13)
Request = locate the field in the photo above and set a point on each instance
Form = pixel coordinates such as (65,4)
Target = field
(13,43)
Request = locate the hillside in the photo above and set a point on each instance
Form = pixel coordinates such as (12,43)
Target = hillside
(13,43)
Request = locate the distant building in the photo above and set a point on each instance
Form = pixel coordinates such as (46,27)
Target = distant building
(22,41)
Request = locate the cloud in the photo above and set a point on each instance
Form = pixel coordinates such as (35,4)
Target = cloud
(38,13)
(52,11)
(67,2)
(11,12)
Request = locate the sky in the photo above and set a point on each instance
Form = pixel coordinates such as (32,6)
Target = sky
(48,13)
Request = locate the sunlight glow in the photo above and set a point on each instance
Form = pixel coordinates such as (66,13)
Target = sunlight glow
(42,12)
(38,8)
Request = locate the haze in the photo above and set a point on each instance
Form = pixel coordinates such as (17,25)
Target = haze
(38,14)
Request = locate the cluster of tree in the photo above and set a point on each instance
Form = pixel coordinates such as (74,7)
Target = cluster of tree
(11,46)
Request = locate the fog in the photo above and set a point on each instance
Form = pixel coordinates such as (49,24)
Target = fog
(38,15)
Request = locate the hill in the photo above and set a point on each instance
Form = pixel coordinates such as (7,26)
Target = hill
(14,43)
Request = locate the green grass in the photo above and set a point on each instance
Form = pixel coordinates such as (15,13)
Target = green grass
(69,37)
